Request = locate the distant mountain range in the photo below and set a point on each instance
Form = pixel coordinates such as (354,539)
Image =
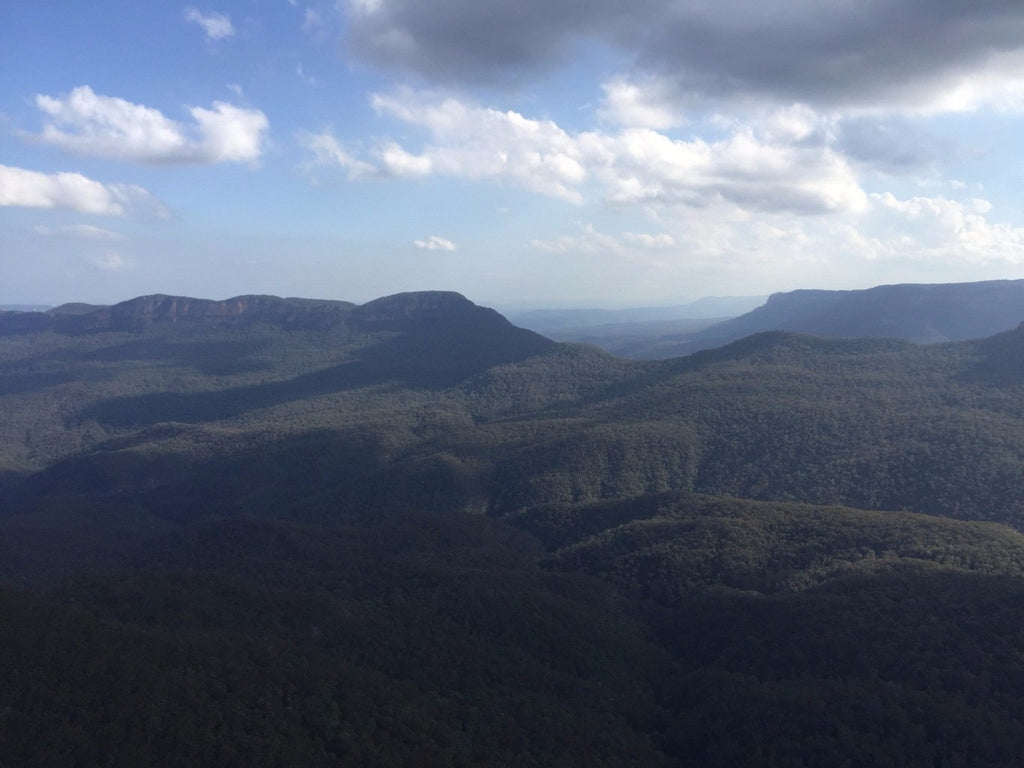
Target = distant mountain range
(400,312)
(922,313)
(551,322)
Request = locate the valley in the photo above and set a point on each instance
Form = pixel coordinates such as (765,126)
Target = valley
(280,531)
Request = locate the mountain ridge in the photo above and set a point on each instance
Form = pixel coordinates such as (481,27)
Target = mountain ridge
(400,311)
(922,313)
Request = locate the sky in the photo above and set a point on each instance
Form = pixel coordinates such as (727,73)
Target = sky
(542,153)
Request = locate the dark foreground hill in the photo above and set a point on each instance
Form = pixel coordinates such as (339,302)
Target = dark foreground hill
(924,314)
(279,532)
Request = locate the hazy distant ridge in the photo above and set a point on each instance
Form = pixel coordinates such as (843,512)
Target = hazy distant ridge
(915,312)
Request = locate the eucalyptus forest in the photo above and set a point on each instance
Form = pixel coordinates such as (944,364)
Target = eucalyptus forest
(284,532)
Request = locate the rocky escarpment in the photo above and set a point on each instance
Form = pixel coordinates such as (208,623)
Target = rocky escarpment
(433,324)
(138,313)
(922,314)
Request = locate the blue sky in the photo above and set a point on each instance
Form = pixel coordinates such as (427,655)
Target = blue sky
(538,153)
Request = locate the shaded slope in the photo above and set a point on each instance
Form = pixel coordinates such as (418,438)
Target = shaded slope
(401,638)
(867,423)
(675,546)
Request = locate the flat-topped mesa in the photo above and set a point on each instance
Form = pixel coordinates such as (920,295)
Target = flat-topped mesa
(445,330)
(419,309)
(443,314)
(921,313)
(143,311)
(917,312)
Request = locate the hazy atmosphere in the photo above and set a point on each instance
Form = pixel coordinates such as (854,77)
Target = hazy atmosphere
(534,153)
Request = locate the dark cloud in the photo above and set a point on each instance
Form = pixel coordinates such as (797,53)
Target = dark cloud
(825,52)
(482,40)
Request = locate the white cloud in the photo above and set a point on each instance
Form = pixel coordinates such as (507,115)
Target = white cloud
(32,189)
(483,144)
(891,239)
(87,123)
(938,229)
(229,133)
(643,166)
(649,104)
(774,168)
(397,162)
(216,26)
(435,243)
(327,151)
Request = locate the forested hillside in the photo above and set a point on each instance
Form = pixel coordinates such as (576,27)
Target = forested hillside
(275,531)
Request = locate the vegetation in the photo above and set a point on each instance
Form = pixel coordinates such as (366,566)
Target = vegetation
(411,534)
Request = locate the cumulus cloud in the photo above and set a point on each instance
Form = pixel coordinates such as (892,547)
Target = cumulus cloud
(892,236)
(216,26)
(228,133)
(435,243)
(88,123)
(644,166)
(481,143)
(32,189)
(647,104)
(937,229)
(768,170)
(935,56)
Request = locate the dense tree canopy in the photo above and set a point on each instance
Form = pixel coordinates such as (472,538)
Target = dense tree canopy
(425,537)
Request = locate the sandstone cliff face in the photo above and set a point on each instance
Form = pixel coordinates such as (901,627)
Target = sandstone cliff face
(136,314)
(144,310)
(923,314)
(430,311)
